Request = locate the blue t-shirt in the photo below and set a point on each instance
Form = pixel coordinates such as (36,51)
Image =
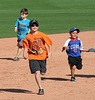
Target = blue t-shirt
(75,47)
(22,26)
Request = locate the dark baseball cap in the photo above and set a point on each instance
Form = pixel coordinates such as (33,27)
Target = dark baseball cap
(33,22)
(73,29)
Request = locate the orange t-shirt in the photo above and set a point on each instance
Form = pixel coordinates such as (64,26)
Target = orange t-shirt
(37,42)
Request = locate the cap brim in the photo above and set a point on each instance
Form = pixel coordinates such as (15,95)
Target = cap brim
(77,30)
(33,24)
(74,30)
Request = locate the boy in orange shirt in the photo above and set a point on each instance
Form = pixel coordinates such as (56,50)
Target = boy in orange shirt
(36,52)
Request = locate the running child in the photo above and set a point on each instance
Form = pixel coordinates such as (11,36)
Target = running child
(36,52)
(21,27)
(74,47)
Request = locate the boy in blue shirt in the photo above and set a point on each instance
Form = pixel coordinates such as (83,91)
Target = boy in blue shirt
(73,48)
(21,27)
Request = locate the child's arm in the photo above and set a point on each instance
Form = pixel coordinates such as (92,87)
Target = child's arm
(49,50)
(25,46)
(82,55)
(15,30)
(81,48)
(28,31)
(25,53)
(48,45)
(65,48)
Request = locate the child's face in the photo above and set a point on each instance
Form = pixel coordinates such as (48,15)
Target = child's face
(34,28)
(23,16)
(74,34)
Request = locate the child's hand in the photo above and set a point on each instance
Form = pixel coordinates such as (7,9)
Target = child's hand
(65,48)
(49,55)
(15,29)
(28,31)
(25,56)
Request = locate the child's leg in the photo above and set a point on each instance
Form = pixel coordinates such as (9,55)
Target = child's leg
(18,51)
(38,79)
(35,68)
(73,71)
(42,73)
(20,46)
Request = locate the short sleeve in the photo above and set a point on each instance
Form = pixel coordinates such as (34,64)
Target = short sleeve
(25,43)
(81,46)
(28,22)
(66,43)
(47,40)
(16,24)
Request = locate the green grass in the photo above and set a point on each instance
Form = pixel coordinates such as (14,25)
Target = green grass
(54,16)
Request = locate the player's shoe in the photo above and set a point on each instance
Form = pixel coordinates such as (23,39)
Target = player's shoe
(41,92)
(16,59)
(73,79)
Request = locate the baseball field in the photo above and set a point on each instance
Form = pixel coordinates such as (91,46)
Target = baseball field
(54,17)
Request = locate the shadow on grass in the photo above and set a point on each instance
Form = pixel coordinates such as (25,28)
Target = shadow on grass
(17,91)
(56,79)
(86,76)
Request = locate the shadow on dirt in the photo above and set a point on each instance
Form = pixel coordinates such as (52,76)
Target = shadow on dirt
(6,58)
(86,76)
(17,91)
(56,79)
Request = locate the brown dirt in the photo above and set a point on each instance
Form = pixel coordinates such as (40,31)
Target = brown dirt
(16,82)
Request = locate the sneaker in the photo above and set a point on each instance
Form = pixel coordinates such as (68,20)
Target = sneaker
(41,92)
(73,79)
(16,59)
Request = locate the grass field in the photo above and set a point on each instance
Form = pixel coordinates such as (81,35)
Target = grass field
(54,16)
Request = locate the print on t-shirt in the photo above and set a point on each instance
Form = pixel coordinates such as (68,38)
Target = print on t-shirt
(35,47)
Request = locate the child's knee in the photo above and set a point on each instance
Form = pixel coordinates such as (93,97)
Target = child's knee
(37,73)
(79,67)
(20,47)
(42,73)
(73,68)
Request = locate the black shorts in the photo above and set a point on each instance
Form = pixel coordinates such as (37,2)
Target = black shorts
(37,65)
(77,61)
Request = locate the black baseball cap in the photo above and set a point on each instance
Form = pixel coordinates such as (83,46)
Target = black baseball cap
(33,22)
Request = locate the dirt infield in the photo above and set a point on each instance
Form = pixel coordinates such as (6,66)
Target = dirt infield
(16,82)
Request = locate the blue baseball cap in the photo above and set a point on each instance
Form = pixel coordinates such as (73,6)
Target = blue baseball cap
(73,29)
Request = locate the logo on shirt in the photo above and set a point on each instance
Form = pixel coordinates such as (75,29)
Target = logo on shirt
(22,25)
(75,46)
